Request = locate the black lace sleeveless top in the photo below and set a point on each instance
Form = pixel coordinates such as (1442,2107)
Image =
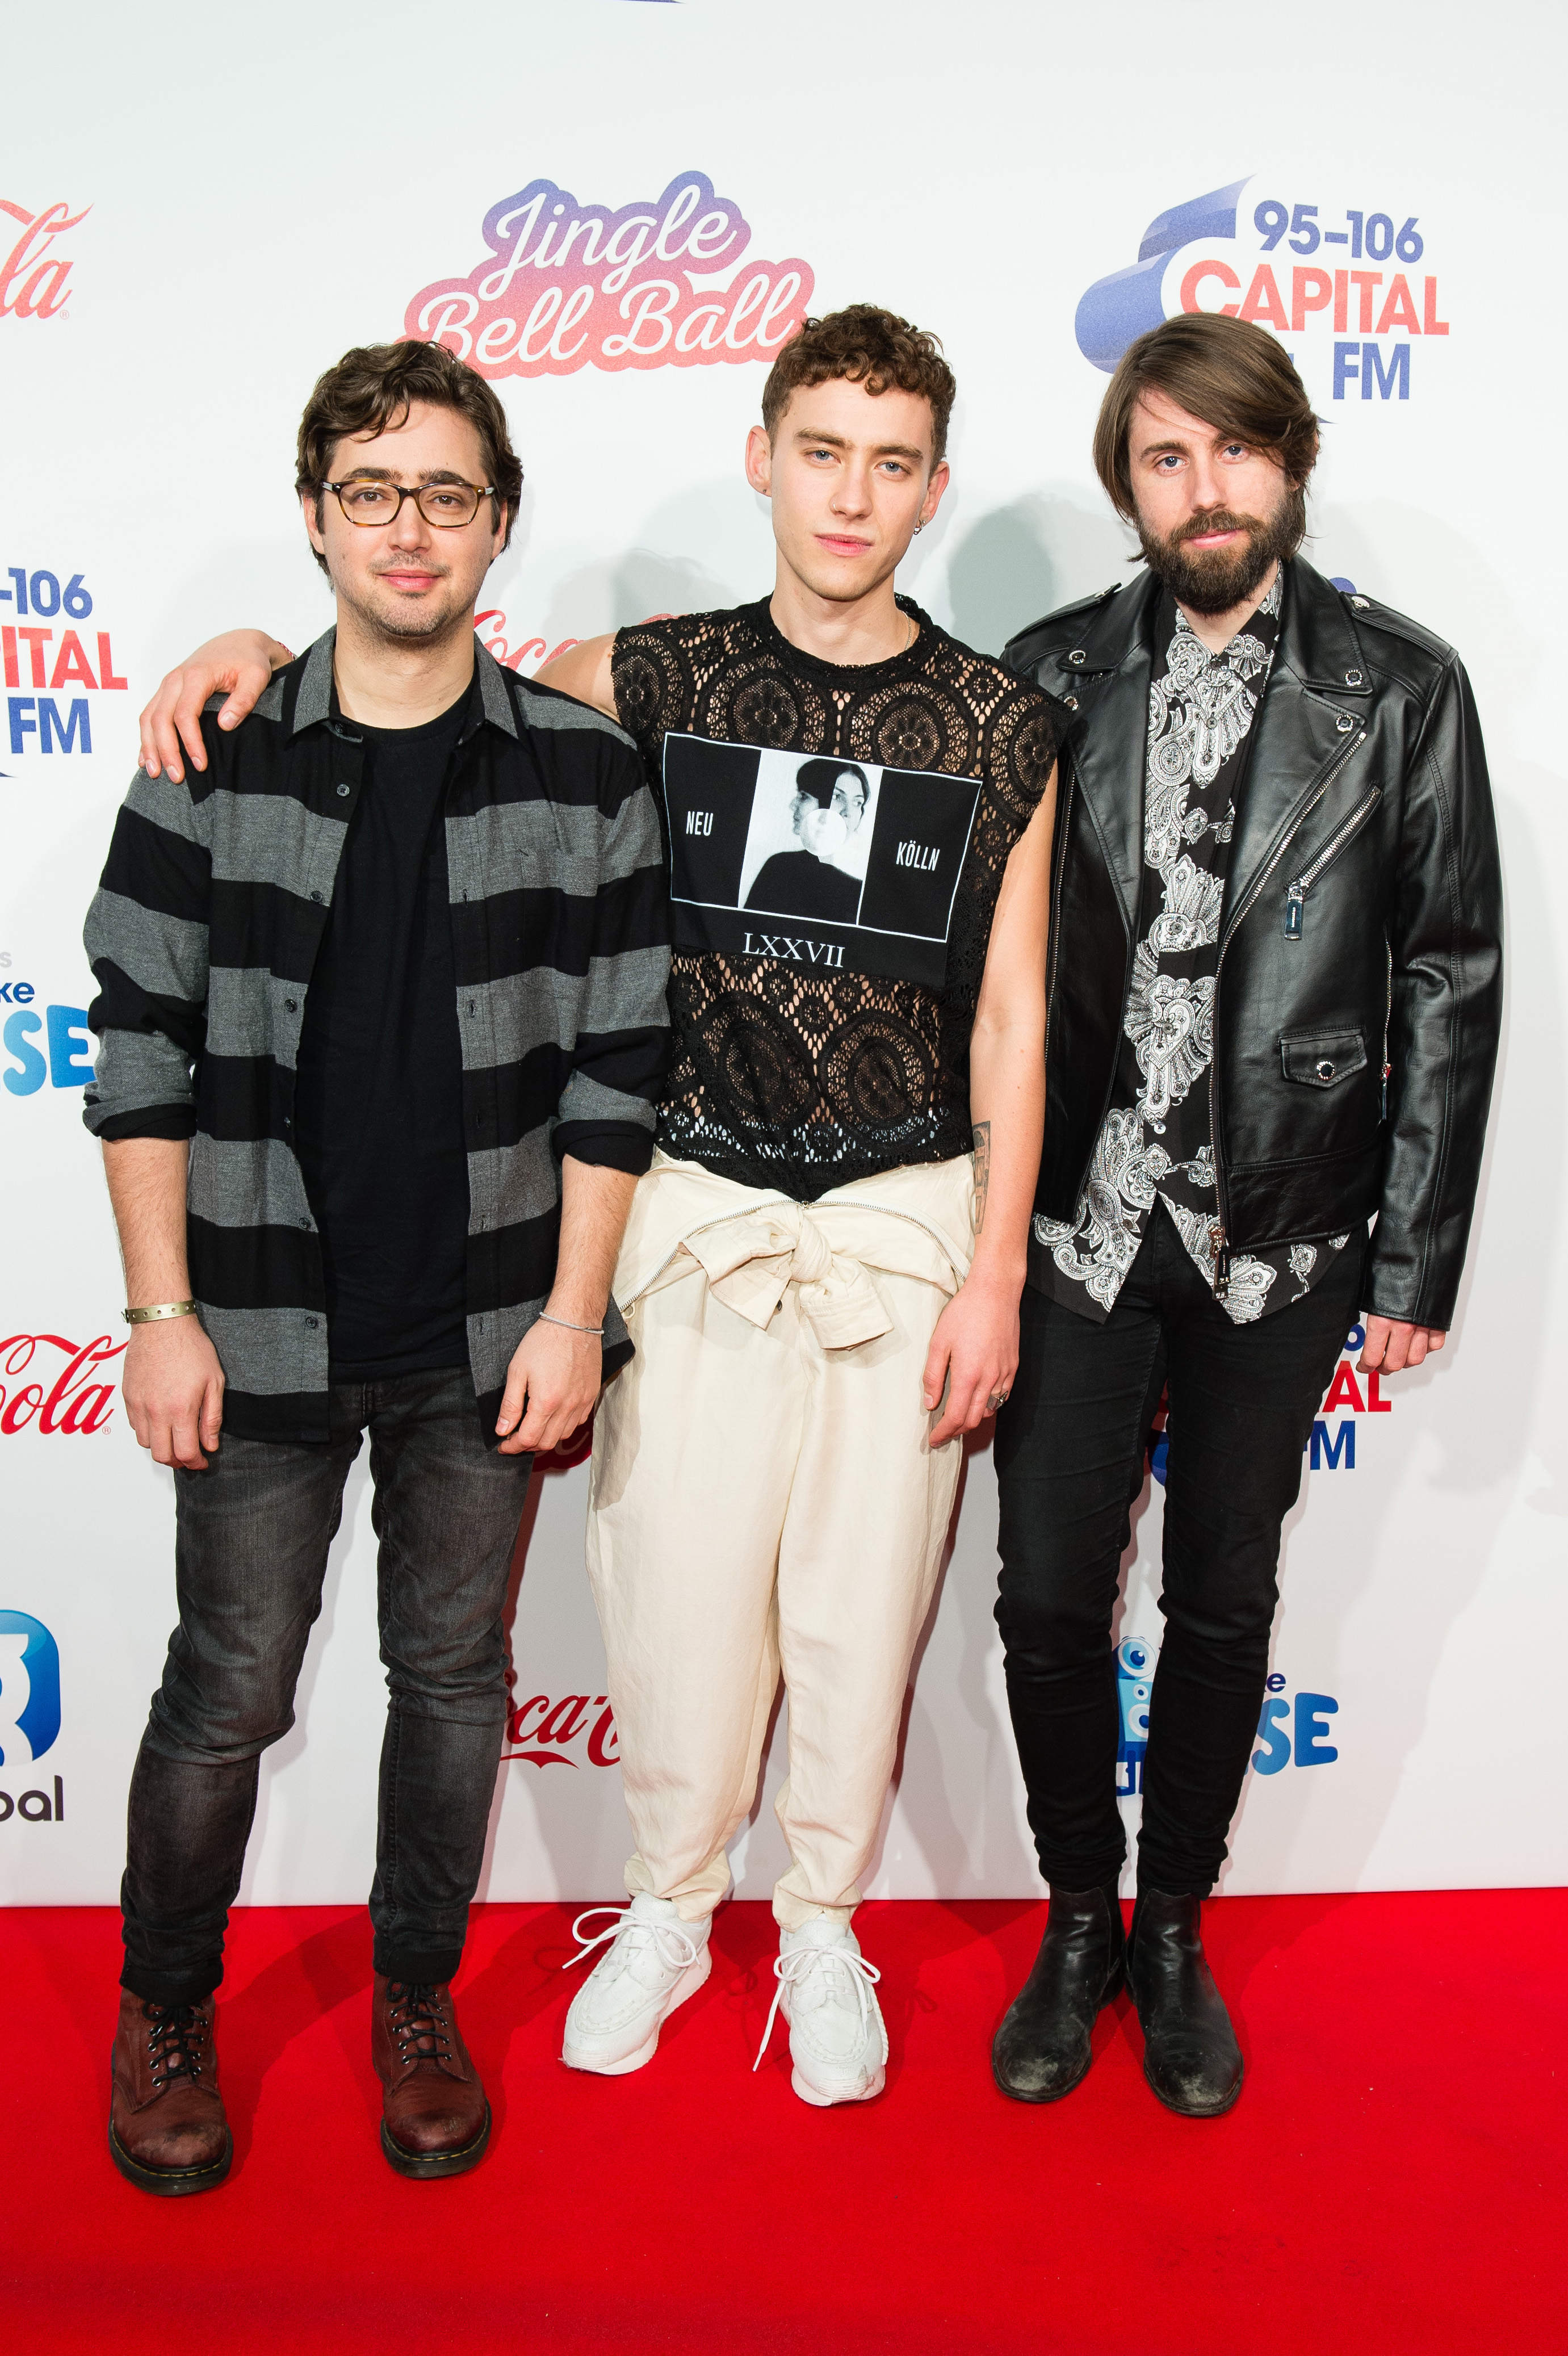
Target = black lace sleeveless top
(837,838)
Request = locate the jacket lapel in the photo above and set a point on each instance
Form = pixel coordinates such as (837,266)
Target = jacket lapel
(1108,758)
(1318,681)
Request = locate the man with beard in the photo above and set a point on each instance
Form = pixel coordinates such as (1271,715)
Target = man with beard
(1274,1001)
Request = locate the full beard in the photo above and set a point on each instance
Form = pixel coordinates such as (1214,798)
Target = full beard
(1215,580)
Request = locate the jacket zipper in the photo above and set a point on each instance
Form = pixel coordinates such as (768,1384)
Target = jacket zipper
(1219,1227)
(1296,894)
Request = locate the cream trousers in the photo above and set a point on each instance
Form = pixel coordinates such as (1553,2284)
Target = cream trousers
(764,1496)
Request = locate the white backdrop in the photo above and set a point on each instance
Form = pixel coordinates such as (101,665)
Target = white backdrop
(202,209)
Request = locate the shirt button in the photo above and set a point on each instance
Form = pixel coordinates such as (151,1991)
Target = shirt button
(344,792)
(305,1222)
(318,898)
(311,1323)
(291,1006)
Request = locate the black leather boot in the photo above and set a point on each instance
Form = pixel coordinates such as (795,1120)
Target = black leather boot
(1041,2051)
(1191,2058)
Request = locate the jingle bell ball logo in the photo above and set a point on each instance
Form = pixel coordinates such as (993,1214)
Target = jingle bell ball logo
(1344,276)
(665,283)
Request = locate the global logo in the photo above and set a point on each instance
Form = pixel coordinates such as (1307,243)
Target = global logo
(1291,1729)
(29,1690)
(1349,287)
(665,281)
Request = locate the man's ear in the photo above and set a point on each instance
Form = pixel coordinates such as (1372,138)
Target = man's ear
(940,475)
(759,461)
(310,508)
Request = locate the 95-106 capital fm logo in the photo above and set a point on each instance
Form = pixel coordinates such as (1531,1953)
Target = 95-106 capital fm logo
(1346,278)
(665,281)
(56,663)
(29,1718)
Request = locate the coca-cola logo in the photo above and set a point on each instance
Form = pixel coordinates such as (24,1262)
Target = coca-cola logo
(58,1398)
(543,1731)
(34,281)
(657,284)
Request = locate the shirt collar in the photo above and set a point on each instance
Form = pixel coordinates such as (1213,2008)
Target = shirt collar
(488,698)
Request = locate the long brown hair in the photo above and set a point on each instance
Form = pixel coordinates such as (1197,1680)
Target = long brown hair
(1227,372)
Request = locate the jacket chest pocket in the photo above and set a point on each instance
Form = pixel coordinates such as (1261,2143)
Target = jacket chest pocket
(1321,1059)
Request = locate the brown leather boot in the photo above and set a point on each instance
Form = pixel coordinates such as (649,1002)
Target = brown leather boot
(435,2118)
(166,2130)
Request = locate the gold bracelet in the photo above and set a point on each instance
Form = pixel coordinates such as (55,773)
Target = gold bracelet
(160,1309)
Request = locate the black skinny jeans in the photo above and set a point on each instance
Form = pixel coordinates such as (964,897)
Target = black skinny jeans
(252,1534)
(1069,1462)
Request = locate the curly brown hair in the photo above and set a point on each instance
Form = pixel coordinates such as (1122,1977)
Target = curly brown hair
(868,347)
(375,385)
(1228,372)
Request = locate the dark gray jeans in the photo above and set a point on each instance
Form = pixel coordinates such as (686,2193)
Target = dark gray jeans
(252,1534)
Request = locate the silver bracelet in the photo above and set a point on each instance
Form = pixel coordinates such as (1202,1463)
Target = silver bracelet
(160,1310)
(546,1319)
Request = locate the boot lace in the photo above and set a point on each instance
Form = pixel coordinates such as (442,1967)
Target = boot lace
(177,2034)
(671,1942)
(788,1969)
(420,2023)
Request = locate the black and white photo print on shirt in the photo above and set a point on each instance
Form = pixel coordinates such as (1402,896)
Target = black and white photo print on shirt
(813,859)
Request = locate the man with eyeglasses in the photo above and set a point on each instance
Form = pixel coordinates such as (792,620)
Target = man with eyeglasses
(383,1020)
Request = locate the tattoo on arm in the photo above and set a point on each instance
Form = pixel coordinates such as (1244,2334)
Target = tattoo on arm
(982,1133)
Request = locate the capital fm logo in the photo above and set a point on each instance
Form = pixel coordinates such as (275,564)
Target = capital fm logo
(44,645)
(34,279)
(1347,282)
(666,282)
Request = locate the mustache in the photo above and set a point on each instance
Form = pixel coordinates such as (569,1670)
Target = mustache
(1217,519)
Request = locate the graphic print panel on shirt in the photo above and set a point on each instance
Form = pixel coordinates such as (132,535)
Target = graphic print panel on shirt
(843,866)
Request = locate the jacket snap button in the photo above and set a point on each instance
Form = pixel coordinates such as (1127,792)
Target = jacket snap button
(1071,702)
(1352,679)
(1326,1070)
(1345,723)
(1078,656)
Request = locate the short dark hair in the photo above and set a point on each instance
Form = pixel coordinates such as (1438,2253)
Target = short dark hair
(816,780)
(864,346)
(1228,372)
(375,385)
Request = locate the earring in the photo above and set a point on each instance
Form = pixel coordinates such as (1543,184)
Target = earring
(919,528)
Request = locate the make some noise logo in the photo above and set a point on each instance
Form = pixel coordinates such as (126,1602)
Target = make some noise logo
(1343,275)
(29,1718)
(665,281)
(1293,1729)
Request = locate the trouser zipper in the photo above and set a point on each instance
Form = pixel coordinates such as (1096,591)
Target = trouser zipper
(1296,892)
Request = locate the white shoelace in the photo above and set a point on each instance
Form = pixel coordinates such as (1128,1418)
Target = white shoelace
(793,1967)
(641,1932)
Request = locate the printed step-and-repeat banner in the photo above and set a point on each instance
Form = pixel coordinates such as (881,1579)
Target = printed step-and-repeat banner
(618,213)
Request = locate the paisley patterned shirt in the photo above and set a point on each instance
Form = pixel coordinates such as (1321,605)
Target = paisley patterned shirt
(1157,1141)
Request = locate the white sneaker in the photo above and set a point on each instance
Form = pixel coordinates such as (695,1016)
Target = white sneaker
(654,1963)
(837,2041)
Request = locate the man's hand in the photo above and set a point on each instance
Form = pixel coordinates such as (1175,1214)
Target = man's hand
(173,1389)
(240,663)
(974,1354)
(554,1376)
(1391,1346)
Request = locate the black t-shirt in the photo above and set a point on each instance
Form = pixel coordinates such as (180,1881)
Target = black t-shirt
(379,1096)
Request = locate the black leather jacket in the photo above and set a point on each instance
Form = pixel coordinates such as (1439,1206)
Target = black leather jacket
(1358,995)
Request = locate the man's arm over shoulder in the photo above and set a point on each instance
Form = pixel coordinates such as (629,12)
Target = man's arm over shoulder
(584,671)
(1444,1012)
(147,941)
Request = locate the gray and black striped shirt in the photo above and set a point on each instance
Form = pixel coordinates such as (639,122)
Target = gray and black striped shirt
(203,937)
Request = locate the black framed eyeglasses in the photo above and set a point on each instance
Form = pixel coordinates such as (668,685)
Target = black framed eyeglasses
(366,499)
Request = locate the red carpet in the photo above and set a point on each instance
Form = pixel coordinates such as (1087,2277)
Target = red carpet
(1391,2180)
